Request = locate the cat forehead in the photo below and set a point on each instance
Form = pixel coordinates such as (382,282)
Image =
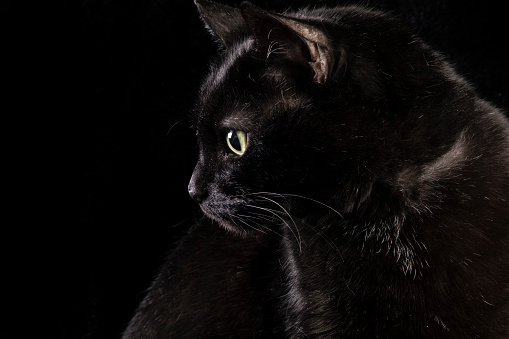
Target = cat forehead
(240,120)
(219,73)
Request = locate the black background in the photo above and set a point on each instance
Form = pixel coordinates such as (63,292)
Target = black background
(118,79)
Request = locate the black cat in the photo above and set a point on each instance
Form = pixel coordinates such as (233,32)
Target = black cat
(363,184)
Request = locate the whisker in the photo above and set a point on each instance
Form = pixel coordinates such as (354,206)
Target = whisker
(175,124)
(326,239)
(261,218)
(318,202)
(296,233)
(232,219)
(318,232)
(283,195)
(274,212)
(275,215)
(180,223)
(239,217)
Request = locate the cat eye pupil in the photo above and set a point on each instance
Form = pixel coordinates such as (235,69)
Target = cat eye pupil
(236,141)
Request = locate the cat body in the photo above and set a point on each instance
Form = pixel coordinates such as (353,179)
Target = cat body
(354,186)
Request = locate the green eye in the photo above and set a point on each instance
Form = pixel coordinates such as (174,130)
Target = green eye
(237,141)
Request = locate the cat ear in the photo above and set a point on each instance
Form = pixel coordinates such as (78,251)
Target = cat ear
(290,39)
(224,22)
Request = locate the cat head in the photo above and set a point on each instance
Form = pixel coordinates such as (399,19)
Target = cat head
(317,104)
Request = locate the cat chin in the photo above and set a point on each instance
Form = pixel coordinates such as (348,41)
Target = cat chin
(232,228)
(228,225)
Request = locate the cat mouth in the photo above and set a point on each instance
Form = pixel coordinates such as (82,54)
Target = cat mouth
(251,213)
(225,222)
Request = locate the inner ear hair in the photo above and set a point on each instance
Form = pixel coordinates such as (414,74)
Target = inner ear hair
(318,62)
(316,42)
(303,43)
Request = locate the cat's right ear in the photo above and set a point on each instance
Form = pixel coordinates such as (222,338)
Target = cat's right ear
(225,23)
(291,41)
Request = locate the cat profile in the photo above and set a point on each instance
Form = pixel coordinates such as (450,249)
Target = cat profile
(353,186)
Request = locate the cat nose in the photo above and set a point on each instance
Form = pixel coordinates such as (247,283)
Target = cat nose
(195,193)
(197,188)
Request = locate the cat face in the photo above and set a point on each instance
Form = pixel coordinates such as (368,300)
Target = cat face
(250,134)
(289,113)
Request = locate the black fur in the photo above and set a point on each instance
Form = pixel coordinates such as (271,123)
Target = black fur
(371,201)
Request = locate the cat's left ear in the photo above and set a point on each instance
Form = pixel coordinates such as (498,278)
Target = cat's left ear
(291,40)
(224,22)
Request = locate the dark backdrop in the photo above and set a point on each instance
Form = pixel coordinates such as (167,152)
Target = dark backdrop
(128,72)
